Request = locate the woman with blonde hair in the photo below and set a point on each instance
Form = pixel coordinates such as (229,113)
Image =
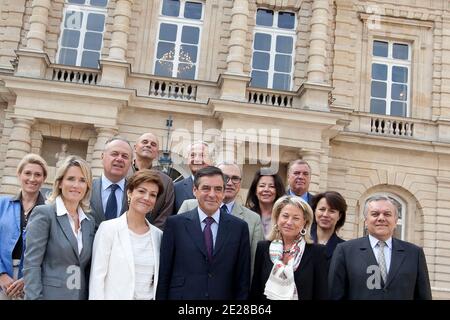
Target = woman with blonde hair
(60,236)
(14,214)
(287,265)
(125,259)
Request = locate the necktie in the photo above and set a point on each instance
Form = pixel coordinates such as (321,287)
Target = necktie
(111,204)
(207,234)
(224,208)
(382,260)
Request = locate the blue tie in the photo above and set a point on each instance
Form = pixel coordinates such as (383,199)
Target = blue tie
(224,209)
(111,204)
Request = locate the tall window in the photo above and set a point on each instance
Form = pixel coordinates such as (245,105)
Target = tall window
(82,30)
(179,39)
(399,232)
(390,84)
(273,50)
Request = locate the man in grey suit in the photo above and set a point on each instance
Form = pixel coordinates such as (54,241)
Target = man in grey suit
(198,157)
(233,177)
(108,191)
(378,266)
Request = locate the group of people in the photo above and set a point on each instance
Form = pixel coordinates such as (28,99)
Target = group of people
(134,234)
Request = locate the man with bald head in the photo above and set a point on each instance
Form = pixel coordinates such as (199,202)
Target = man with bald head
(146,151)
(108,198)
(197,157)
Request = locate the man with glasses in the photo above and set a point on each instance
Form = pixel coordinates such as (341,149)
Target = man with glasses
(233,176)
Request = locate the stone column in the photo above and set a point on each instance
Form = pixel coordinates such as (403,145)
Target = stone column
(318,40)
(19,145)
(313,159)
(38,25)
(103,135)
(234,81)
(120,30)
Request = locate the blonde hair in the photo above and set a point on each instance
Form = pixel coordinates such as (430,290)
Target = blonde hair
(297,202)
(32,158)
(73,161)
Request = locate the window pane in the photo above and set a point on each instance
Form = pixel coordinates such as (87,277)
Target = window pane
(186,71)
(95,22)
(264,17)
(400,51)
(70,38)
(99,3)
(281,81)
(90,59)
(380,48)
(166,50)
(92,41)
(378,89)
(77,1)
(400,74)
(193,10)
(188,54)
(168,32)
(171,8)
(262,42)
(286,20)
(398,109)
(261,60)
(399,92)
(190,35)
(377,106)
(283,63)
(73,20)
(67,56)
(284,44)
(259,79)
(163,68)
(379,71)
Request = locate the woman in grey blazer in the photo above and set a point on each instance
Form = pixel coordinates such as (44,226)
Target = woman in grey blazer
(60,236)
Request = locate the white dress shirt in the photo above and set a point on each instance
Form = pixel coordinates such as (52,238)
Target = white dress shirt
(106,191)
(387,250)
(61,210)
(214,226)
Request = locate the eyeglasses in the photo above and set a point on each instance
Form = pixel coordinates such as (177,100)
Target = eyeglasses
(234,179)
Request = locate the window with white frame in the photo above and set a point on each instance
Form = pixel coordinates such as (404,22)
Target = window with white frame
(399,232)
(273,50)
(178,43)
(390,80)
(81,39)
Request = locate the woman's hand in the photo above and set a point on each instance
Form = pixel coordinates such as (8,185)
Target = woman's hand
(5,282)
(15,290)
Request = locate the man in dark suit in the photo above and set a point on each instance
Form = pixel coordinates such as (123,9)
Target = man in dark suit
(116,159)
(379,267)
(146,150)
(299,178)
(198,157)
(205,253)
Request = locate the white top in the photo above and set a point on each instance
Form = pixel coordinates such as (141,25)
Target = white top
(144,265)
(61,210)
(387,250)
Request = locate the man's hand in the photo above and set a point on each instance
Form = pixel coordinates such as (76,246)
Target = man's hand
(15,290)
(5,282)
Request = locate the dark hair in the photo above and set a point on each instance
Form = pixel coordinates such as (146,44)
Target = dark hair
(252,201)
(143,176)
(336,201)
(209,171)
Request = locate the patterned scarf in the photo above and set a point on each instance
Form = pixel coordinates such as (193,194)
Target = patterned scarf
(281,284)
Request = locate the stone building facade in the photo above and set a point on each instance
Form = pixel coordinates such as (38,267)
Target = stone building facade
(359,89)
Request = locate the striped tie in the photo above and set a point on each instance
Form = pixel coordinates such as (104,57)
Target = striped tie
(382,260)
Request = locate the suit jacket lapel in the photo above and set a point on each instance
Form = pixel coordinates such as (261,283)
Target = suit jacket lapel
(188,183)
(307,254)
(237,211)
(367,252)
(68,232)
(86,230)
(397,258)
(124,238)
(124,199)
(97,196)
(222,233)
(195,231)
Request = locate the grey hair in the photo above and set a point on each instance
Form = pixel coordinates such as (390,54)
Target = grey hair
(381,197)
(229,163)
(299,161)
(119,138)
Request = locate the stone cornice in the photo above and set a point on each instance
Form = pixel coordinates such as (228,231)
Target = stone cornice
(396,20)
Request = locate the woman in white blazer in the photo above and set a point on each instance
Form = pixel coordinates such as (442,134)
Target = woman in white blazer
(125,259)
